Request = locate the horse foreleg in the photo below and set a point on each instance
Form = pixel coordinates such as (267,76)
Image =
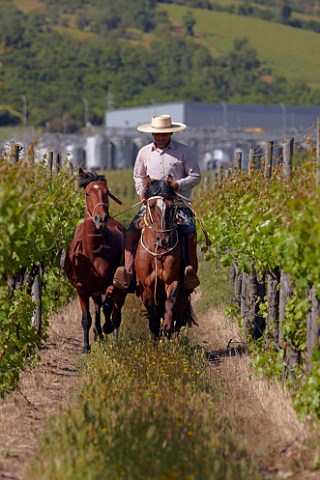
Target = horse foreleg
(172,293)
(86,320)
(153,317)
(108,326)
(154,321)
(118,302)
(97,323)
(183,313)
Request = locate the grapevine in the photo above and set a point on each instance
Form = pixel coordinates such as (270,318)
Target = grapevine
(263,224)
(38,213)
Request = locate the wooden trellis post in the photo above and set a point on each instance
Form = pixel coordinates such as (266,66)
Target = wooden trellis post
(58,162)
(252,292)
(222,174)
(238,286)
(251,159)
(318,154)
(287,158)
(273,281)
(284,296)
(50,160)
(313,325)
(235,280)
(36,320)
(292,356)
(30,153)
(238,160)
(15,150)
(268,160)
(243,303)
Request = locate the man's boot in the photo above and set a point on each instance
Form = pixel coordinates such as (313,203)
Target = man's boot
(190,279)
(124,276)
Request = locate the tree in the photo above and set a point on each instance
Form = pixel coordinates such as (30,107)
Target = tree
(285,12)
(189,22)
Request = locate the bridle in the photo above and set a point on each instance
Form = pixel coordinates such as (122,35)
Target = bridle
(150,224)
(101,204)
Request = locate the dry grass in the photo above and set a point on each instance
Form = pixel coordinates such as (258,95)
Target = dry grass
(40,393)
(263,411)
(258,411)
(30,5)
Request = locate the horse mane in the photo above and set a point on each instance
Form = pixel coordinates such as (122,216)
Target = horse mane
(91,177)
(159,187)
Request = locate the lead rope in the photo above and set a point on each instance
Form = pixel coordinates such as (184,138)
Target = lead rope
(127,209)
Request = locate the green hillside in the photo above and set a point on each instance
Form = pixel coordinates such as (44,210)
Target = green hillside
(290,52)
(58,57)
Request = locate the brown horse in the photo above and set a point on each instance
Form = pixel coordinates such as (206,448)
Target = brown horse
(158,262)
(93,257)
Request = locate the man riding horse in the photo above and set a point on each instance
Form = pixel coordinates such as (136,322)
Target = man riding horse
(163,157)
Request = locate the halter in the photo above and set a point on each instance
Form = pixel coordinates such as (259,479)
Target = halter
(100,204)
(151,227)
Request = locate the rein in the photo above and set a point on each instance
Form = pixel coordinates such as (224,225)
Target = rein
(187,203)
(126,210)
(161,254)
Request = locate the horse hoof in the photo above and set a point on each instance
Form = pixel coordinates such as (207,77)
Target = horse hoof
(167,330)
(98,336)
(108,328)
(155,341)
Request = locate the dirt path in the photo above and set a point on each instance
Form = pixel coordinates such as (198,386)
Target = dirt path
(266,419)
(41,392)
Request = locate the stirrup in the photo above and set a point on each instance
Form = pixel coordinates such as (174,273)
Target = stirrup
(190,280)
(122,279)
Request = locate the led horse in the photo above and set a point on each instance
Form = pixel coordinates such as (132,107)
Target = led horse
(93,256)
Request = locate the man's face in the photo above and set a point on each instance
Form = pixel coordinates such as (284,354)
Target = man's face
(161,139)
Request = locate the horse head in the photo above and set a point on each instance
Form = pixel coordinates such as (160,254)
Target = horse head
(160,216)
(96,193)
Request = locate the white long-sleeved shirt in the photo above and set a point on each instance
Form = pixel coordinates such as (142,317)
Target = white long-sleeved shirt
(176,159)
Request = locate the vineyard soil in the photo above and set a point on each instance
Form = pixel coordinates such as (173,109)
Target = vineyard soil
(41,392)
(268,424)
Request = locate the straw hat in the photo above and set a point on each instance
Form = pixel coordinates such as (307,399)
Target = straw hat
(161,124)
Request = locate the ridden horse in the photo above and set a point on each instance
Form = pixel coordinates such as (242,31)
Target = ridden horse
(158,261)
(93,257)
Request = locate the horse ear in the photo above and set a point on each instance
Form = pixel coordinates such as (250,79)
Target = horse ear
(82,173)
(148,181)
(170,179)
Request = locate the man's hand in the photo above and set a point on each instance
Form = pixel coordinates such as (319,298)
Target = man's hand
(175,185)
